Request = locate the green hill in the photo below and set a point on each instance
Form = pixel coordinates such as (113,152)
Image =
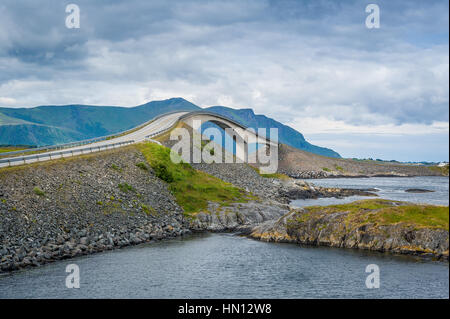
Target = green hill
(47,125)
(50,125)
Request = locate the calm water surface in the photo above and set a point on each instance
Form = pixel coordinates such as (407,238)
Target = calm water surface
(228,266)
(388,188)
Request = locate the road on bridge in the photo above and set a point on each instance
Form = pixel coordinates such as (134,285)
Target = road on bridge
(158,125)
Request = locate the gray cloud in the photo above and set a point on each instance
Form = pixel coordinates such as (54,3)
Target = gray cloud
(282,58)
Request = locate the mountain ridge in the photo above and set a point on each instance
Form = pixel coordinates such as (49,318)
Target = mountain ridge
(286,134)
(57,124)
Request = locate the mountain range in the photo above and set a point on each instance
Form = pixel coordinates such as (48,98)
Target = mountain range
(50,125)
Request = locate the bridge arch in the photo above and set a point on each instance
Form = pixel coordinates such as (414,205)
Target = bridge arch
(241,135)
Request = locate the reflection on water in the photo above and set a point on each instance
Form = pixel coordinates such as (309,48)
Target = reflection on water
(227,266)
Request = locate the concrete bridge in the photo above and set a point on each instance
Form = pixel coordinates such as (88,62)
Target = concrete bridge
(146,131)
(241,135)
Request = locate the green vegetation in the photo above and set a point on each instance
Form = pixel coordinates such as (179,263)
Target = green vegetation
(99,203)
(60,124)
(192,189)
(38,191)
(326,169)
(116,168)
(10,149)
(163,172)
(124,187)
(273,175)
(142,166)
(148,210)
(444,170)
(387,212)
(339,168)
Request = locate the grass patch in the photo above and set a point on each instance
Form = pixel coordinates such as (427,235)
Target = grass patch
(192,189)
(124,187)
(444,170)
(38,191)
(339,168)
(273,175)
(11,149)
(148,210)
(142,166)
(326,169)
(116,168)
(163,172)
(388,212)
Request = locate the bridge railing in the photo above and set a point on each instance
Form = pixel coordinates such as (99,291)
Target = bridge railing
(201,112)
(67,153)
(88,141)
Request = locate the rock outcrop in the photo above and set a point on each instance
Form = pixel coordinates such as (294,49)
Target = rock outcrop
(237,217)
(319,228)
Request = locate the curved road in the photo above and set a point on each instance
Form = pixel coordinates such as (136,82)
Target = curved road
(159,124)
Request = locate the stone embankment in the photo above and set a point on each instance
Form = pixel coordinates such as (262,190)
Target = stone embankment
(82,205)
(324,174)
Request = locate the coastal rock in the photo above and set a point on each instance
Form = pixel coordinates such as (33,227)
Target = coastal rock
(237,217)
(418,190)
(332,229)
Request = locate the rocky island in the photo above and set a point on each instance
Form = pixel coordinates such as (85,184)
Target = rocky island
(376,224)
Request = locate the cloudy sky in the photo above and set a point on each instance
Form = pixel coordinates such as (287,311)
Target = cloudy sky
(311,64)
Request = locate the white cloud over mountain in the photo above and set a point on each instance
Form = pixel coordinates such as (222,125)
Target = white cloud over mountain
(310,64)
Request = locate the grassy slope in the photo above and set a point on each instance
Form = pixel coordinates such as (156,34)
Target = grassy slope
(10,149)
(443,170)
(46,125)
(10,120)
(192,188)
(386,212)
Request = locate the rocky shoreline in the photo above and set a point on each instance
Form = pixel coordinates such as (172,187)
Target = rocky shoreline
(322,228)
(80,206)
(323,174)
(83,205)
(278,190)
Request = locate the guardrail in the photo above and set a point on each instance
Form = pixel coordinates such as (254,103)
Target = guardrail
(201,112)
(160,132)
(62,154)
(88,141)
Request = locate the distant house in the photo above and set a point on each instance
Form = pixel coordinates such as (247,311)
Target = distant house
(442,164)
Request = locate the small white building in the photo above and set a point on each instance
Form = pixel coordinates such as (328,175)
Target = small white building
(442,164)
